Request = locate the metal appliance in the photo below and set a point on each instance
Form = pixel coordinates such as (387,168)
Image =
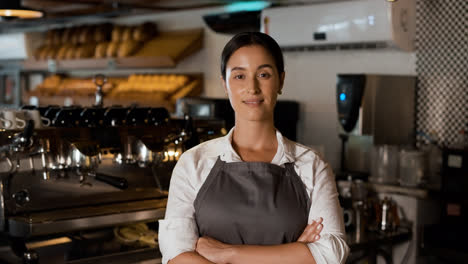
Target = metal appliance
(386,109)
(373,109)
(66,190)
(286,113)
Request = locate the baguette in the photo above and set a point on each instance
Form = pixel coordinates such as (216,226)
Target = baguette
(75,37)
(44,52)
(52,52)
(112,49)
(128,48)
(70,54)
(85,51)
(103,33)
(38,52)
(127,34)
(62,52)
(86,35)
(101,50)
(117,33)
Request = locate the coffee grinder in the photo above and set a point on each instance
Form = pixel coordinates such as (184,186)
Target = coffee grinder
(349,92)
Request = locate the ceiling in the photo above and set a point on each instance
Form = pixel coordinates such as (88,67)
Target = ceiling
(60,11)
(61,8)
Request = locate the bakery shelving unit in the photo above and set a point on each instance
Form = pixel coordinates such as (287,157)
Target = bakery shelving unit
(165,50)
(162,61)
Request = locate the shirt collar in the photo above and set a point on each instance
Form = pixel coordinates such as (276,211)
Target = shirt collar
(284,153)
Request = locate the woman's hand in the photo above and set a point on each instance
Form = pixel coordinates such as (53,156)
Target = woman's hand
(213,250)
(312,232)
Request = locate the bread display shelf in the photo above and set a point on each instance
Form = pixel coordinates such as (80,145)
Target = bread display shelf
(163,51)
(106,63)
(151,98)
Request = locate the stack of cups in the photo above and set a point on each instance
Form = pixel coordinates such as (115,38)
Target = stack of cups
(384,166)
(12,119)
(412,167)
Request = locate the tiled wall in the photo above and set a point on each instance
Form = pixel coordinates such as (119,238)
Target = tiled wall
(442,68)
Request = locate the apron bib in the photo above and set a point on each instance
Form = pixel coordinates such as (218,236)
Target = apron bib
(252,203)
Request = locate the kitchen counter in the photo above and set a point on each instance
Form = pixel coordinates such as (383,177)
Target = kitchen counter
(417,192)
(374,243)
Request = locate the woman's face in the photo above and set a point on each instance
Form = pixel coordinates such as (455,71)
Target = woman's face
(252,83)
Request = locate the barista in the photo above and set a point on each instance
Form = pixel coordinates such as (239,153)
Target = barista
(252,196)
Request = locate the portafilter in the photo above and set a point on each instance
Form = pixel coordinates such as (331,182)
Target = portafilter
(144,155)
(137,151)
(84,156)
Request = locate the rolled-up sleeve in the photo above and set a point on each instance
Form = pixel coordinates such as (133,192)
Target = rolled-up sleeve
(178,231)
(331,247)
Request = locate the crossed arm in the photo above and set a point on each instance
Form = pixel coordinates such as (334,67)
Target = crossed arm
(209,251)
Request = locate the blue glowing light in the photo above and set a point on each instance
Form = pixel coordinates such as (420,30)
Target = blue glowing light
(342,96)
(247,6)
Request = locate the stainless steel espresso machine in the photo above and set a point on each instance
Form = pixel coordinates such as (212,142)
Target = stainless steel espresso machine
(89,187)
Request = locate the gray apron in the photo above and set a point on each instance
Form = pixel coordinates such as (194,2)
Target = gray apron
(253,203)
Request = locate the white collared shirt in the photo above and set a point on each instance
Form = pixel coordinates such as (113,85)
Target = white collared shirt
(178,232)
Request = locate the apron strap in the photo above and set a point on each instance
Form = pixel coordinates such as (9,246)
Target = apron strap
(292,172)
(208,181)
(290,167)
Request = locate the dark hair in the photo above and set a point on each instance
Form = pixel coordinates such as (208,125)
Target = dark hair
(252,38)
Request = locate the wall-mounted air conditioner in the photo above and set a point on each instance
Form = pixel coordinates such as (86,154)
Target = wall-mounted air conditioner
(343,23)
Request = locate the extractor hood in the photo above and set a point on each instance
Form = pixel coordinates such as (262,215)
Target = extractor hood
(232,23)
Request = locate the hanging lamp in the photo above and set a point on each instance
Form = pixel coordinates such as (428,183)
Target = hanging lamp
(13,8)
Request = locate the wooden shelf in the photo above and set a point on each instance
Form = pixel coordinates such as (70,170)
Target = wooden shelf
(107,63)
(154,54)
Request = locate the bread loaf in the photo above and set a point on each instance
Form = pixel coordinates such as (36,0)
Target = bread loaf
(101,50)
(62,52)
(44,52)
(70,53)
(127,34)
(75,36)
(112,49)
(52,53)
(38,51)
(128,48)
(86,35)
(49,86)
(85,51)
(117,33)
(103,33)
(51,82)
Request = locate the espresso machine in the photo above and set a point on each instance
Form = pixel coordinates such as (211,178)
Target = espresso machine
(72,191)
